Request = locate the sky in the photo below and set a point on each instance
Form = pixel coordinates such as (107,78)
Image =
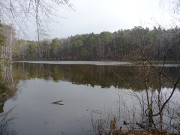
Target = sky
(107,15)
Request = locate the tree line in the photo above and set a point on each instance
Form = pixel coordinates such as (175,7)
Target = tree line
(120,45)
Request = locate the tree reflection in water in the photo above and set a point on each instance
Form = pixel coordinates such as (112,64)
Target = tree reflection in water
(8,88)
(153,110)
(104,76)
(146,107)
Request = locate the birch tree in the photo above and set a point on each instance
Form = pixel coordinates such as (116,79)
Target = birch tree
(9,42)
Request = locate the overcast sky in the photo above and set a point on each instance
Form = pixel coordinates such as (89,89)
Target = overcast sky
(108,15)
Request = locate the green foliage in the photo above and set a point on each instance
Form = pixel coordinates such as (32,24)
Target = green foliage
(56,43)
(119,45)
(31,48)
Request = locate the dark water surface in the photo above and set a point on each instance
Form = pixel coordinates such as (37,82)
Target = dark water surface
(90,95)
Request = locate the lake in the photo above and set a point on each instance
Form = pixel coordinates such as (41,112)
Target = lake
(80,97)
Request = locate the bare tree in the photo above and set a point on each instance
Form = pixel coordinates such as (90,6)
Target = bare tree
(19,12)
(9,42)
(155,102)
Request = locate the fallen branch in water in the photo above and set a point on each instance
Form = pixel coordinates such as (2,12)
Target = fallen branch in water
(59,102)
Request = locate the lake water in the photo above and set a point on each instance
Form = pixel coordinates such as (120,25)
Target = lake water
(90,95)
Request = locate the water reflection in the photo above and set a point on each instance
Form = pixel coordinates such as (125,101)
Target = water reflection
(104,76)
(8,88)
(97,99)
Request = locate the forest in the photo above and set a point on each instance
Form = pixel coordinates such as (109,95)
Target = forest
(30,90)
(120,45)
